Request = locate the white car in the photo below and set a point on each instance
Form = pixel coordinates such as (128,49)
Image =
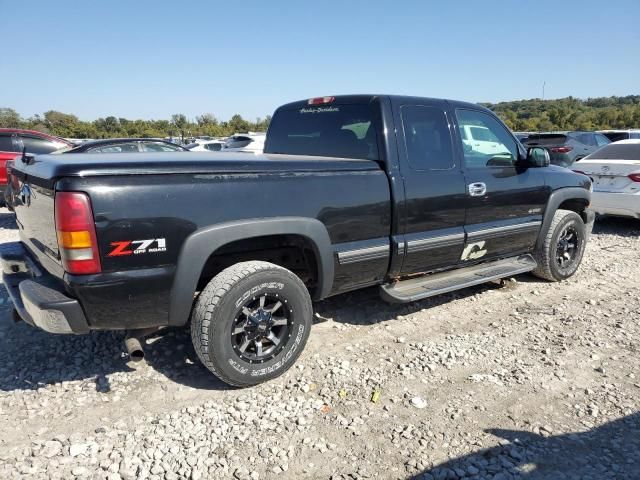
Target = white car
(206,146)
(245,142)
(482,140)
(615,172)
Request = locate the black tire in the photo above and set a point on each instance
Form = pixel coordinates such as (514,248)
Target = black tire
(219,312)
(557,260)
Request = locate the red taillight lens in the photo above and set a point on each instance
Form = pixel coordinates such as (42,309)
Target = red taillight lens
(635,177)
(321,100)
(561,149)
(76,232)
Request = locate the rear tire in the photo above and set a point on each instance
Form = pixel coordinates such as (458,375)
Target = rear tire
(251,322)
(561,252)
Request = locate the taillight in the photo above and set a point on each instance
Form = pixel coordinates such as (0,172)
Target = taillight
(635,177)
(76,233)
(321,100)
(561,149)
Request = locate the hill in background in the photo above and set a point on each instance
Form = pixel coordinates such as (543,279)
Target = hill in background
(523,115)
(570,113)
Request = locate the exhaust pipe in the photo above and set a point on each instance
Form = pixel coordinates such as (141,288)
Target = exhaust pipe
(134,347)
(134,341)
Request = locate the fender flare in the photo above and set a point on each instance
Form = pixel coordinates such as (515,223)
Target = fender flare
(201,244)
(555,200)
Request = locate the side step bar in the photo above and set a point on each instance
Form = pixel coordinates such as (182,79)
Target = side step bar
(438,283)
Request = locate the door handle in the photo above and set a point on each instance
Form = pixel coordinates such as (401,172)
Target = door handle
(477,189)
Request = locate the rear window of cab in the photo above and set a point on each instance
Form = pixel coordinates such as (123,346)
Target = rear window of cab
(331,130)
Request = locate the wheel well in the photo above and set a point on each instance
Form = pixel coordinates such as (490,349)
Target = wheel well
(293,252)
(577,205)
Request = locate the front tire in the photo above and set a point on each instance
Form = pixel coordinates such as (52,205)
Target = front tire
(251,322)
(561,252)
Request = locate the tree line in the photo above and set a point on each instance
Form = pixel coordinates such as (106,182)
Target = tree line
(570,113)
(67,125)
(523,115)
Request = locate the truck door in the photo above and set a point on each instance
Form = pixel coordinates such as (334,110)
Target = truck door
(433,213)
(504,201)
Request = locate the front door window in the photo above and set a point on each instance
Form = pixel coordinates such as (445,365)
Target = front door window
(485,141)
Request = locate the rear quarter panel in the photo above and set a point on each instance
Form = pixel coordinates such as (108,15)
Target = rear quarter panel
(352,205)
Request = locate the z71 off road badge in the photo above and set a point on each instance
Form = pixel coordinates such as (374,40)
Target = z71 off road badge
(137,247)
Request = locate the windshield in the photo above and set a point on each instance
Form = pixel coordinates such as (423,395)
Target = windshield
(346,131)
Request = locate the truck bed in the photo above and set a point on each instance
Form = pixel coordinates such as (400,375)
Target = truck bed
(50,167)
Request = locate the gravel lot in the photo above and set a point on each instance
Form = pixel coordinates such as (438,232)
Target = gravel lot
(525,380)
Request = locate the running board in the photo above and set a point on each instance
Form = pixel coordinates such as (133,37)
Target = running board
(438,283)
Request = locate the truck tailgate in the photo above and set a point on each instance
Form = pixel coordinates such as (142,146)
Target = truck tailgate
(34,208)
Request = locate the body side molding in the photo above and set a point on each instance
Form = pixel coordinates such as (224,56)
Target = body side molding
(361,251)
(504,230)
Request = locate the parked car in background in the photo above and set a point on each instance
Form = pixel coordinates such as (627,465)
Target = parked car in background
(12,143)
(617,135)
(122,145)
(480,139)
(208,146)
(522,136)
(245,142)
(565,148)
(78,141)
(615,173)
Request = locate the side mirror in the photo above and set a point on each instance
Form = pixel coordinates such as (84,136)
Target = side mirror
(538,157)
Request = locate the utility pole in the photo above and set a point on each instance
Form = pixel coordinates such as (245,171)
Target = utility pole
(543,85)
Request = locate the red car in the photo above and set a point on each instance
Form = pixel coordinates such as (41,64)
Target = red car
(14,140)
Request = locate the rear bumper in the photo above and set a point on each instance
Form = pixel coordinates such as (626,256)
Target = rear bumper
(39,297)
(619,204)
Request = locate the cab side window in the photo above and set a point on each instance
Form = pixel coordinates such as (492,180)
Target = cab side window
(485,141)
(427,138)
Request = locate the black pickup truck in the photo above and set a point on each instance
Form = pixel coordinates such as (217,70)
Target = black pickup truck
(352,191)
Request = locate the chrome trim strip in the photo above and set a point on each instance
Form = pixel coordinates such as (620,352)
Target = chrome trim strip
(434,242)
(506,229)
(362,254)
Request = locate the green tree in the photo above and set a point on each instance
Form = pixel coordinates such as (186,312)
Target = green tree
(61,124)
(238,124)
(9,118)
(179,121)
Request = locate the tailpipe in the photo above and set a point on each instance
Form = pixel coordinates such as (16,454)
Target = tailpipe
(134,348)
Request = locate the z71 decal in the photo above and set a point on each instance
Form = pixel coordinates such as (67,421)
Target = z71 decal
(136,247)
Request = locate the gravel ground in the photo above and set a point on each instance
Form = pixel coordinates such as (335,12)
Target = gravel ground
(522,380)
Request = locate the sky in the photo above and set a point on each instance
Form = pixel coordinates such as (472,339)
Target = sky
(150,59)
